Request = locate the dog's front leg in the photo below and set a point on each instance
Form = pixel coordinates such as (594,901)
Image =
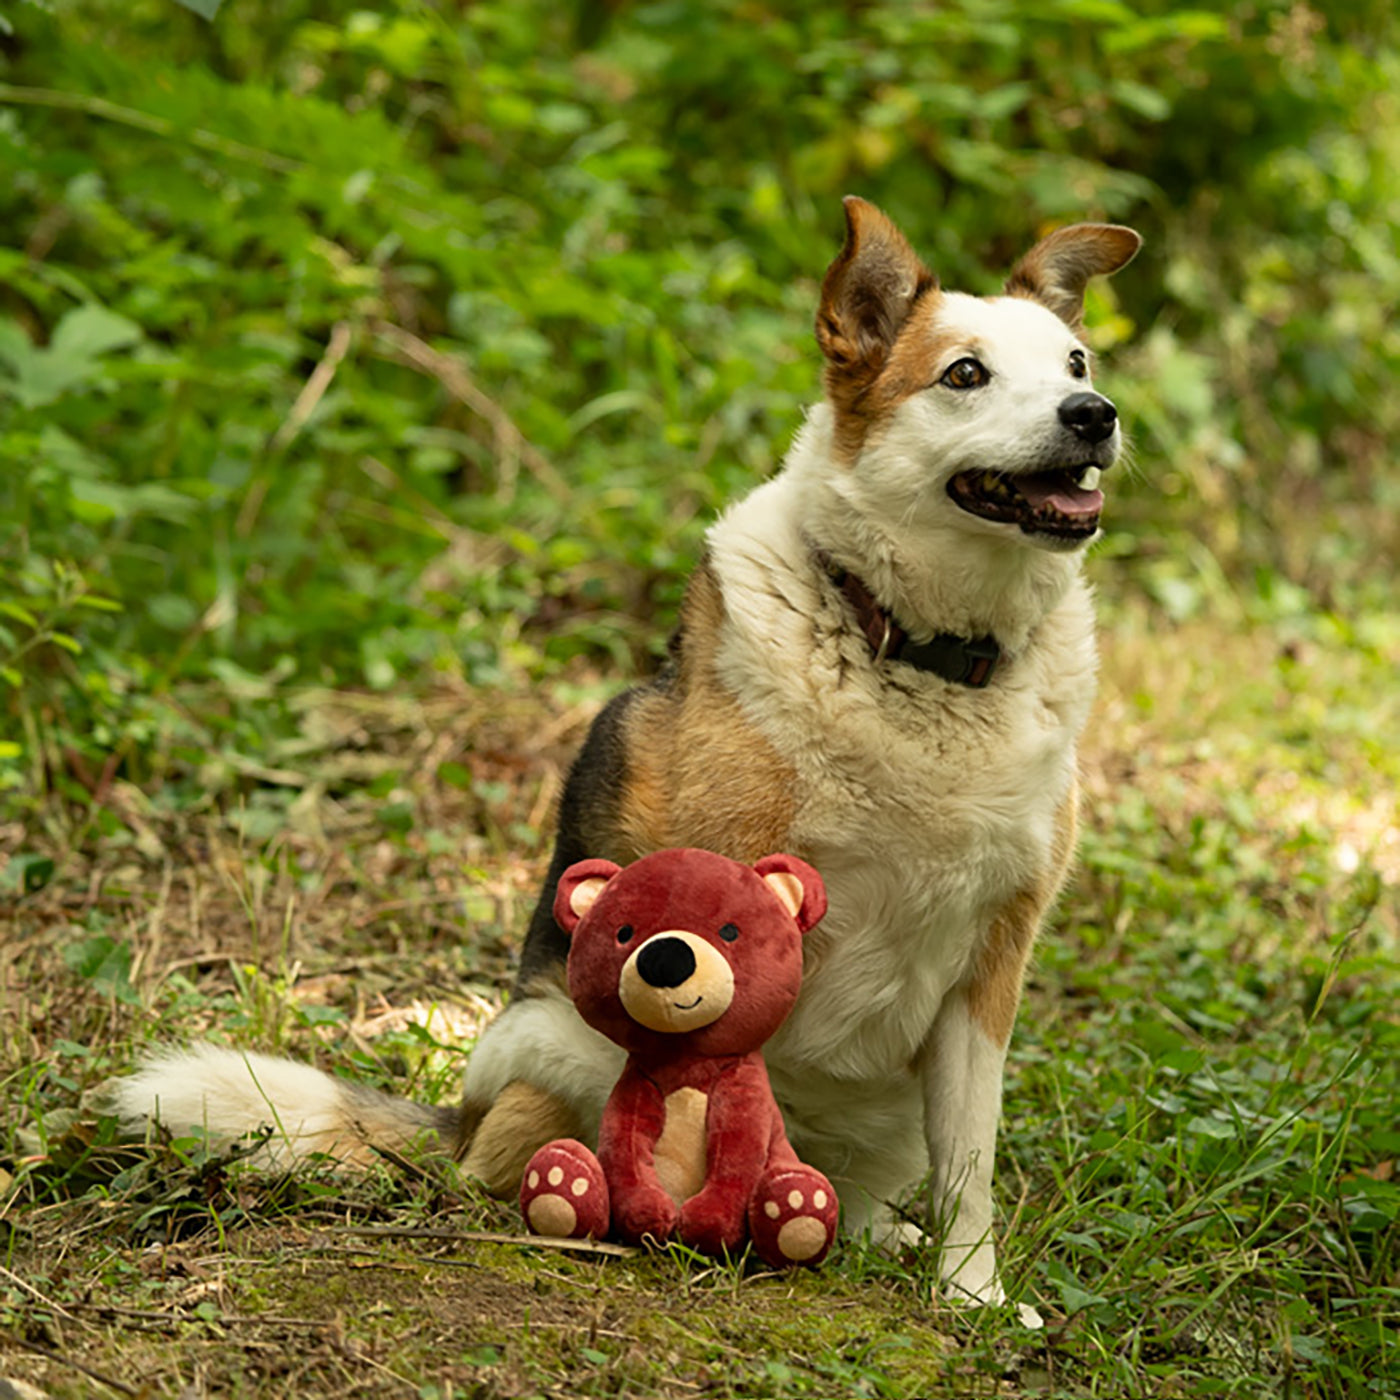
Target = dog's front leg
(961,1067)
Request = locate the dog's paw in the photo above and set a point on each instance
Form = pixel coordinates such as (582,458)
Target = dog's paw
(564,1193)
(963,1294)
(792,1218)
(990,1295)
(895,1237)
(1026,1314)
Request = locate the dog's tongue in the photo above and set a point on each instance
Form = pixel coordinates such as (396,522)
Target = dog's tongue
(1059,491)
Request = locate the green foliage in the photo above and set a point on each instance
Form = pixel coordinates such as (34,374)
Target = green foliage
(345,347)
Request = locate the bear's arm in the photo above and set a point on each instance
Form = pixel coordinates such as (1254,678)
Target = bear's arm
(632,1122)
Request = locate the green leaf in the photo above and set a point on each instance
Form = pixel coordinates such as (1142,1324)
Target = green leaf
(1138,97)
(90,331)
(1209,1128)
(1076,1299)
(109,500)
(106,963)
(454,775)
(73,358)
(19,613)
(26,873)
(15,346)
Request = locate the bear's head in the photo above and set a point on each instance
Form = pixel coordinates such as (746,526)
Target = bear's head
(685,945)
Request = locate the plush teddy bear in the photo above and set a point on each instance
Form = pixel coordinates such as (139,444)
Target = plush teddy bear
(689,961)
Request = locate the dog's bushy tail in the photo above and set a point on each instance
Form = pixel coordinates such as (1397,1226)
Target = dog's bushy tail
(225,1095)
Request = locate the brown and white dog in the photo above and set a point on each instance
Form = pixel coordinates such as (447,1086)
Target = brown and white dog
(883,665)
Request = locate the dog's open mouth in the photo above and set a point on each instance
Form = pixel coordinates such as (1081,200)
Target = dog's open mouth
(1065,502)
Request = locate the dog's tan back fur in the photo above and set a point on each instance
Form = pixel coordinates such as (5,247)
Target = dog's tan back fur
(699,773)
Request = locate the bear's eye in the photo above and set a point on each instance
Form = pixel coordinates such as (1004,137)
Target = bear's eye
(624,934)
(729,932)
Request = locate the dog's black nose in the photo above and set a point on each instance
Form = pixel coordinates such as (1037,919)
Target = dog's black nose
(665,962)
(1089,416)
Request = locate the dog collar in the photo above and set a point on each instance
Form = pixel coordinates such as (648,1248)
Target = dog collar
(970,661)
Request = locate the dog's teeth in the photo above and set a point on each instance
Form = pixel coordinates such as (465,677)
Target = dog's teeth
(1090,480)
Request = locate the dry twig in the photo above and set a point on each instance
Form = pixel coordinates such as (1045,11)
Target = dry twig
(419,1232)
(50,1355)
(314,390)
(511,444)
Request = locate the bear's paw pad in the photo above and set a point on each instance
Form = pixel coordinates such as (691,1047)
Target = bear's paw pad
(793,1218)
(563,1193)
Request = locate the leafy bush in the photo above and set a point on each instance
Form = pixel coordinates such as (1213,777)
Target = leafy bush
(344,346)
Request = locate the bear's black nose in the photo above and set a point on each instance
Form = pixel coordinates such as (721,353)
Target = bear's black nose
(1089,416)
(666,962)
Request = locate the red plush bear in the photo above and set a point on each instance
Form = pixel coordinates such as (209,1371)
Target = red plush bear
(689,962)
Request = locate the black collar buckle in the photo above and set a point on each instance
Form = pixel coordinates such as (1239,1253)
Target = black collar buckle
(970,661)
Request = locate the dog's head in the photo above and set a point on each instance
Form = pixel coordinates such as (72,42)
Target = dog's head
(972,412)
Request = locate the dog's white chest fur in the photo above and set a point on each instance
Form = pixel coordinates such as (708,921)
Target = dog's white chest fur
(925,804)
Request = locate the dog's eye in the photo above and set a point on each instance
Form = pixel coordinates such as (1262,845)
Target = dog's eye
(729,932)
(966,373)
(1078,364)
(624,934)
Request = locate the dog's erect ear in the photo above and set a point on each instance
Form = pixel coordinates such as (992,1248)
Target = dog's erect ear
(578,891)
(1056,271)
(868,292)
(799,888)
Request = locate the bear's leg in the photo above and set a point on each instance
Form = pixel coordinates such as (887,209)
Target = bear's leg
(564,1193)
(792,1216)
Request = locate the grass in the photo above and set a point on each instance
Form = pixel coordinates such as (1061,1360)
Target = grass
(1202,1118)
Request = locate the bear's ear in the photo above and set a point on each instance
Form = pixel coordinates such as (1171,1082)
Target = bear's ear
(799,888)
(579,887)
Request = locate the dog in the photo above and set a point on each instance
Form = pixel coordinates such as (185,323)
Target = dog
(883,665)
